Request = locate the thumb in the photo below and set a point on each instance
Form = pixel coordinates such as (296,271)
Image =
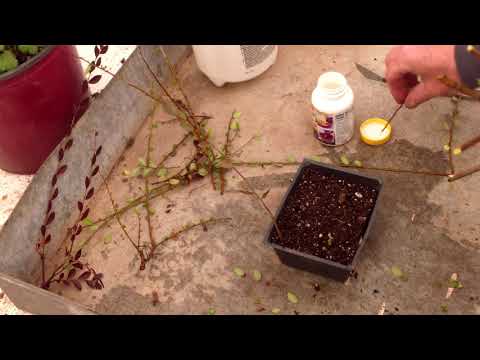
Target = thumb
(425,91)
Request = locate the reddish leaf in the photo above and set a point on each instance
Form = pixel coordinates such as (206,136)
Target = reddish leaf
(90,193)
(80,206)
(62,170)
(103,49)
(69,144)
(77,284)
(71,274)
(99,150)
(43,229)
(54,180)
(99,62)
(78,266)
(91,283)
(49,207)
(66,282)
(87,182)
(50,218)
(95,79)
(85,214)
(94,159)
(85,275)
(95,171)
(97,51)
(79,230)
(55,194)
(78,254)
(60,155)
(47,239)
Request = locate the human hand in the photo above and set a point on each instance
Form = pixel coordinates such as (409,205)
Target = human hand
(408,62)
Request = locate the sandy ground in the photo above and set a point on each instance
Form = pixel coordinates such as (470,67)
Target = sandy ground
(13,186)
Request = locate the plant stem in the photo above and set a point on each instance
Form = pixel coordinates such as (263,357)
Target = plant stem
(459,87)
(417,172)
(265,163)
(450,136)
(261,201)
(464,173)
(147,187)
(173,150)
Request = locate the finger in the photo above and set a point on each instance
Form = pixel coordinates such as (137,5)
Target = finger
(399,78)
(425,91)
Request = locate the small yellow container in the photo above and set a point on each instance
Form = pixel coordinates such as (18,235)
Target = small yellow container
(371,131)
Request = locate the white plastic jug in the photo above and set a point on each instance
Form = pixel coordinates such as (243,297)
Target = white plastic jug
(234,63)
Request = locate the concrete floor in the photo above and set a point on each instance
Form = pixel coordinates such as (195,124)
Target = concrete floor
(425,226)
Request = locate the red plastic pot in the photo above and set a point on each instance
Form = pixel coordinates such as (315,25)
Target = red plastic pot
(37,103)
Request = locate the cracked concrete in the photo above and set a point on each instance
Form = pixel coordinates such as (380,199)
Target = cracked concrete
(425,225)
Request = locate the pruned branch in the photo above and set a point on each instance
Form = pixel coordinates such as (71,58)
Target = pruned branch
(459,87)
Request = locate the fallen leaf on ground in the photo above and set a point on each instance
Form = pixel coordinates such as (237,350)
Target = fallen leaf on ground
(257,275)
(239,272)
(292,297)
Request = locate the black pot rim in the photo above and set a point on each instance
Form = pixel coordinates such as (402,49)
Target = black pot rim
(28,64)
(308,162)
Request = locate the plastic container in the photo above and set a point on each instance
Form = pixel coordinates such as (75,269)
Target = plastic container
(332,107)
(314,264)
(37,102)
(234,63)
(371,131)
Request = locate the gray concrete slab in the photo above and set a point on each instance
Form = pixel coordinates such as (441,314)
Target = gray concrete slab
(195,272)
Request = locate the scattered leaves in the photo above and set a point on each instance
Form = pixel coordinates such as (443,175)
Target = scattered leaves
(211,311)
(316,158)
(257,275)
(444,308)
(398,273)
(358,163)
(457,151)
(239,272)
(162,173)
(235,125)
(107,239)
(275,310)
(446,147)
(291,159)
(344,160)
(174,182)
(292,297)
(203,172)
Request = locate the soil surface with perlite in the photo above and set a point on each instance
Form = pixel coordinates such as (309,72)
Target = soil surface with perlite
(325,215)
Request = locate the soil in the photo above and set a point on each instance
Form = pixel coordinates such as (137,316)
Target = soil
(325,215)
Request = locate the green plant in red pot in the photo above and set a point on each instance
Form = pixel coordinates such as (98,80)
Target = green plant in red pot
(42,91)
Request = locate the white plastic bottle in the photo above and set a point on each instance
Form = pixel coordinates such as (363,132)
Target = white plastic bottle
(332,106)
(234,63)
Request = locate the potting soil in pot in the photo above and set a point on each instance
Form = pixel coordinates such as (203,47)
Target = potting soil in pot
(325,216)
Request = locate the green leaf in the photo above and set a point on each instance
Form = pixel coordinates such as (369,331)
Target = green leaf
(235,125)
(8,61)
(291,159)
(211,311)
(136,172)
(316,158)
(344,160)
(87,222)
(147,171)
(142,162)
(126,173)
(239,272)
(444,308)
(257,275)
(28,49)
(174,182)
(193,166)
(237,114)
(446,147)
(209,133)
(358,163)
(455,284)
(162,173)
(275,310)
(107,239)
(397,272)
(457,151)
(203,172)
(292,297)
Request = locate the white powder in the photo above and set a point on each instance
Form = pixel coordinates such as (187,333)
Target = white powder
(374,131)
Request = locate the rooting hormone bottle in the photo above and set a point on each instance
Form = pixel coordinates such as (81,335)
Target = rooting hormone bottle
(332,106)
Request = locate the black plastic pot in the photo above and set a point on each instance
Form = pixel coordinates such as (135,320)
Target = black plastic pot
(316,264)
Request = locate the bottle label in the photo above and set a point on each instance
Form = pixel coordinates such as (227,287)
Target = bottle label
(333,129)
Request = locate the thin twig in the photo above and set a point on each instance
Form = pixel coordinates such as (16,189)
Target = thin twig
(470,143)
(417,172)
(464,173)
(173,151)
(261,201)
(450,136)
(147,187)
(265,163)
(459,87)
(235,153)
